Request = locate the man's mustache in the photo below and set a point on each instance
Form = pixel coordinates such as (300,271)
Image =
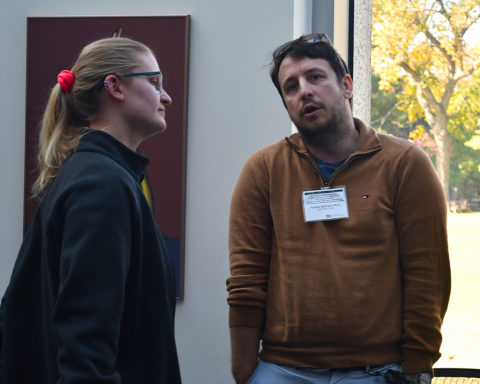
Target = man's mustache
(310,105)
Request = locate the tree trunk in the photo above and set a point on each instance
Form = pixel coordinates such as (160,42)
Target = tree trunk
(437,118)
(442,139)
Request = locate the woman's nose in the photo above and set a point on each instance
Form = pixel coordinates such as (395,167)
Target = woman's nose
(165,98)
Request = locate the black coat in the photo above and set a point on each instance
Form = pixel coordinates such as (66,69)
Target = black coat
(92,294)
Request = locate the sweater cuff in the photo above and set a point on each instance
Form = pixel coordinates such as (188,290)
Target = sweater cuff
(417,362)
(240,316)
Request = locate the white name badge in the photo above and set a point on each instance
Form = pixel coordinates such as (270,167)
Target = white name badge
(325,204)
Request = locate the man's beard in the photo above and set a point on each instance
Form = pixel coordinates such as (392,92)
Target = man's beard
(330,131)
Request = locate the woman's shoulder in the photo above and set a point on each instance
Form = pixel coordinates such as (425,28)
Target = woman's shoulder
(93,175)
(86,166)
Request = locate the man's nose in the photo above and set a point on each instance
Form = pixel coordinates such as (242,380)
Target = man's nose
(306,90)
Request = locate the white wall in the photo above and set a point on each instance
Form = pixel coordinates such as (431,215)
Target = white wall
(233,111)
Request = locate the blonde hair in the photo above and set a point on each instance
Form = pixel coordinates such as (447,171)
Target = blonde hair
(66,114)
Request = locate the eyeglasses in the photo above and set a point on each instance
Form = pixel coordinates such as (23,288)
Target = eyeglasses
(102,83)
(313,38)
(391,375)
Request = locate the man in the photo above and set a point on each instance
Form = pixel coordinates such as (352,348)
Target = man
(338,244)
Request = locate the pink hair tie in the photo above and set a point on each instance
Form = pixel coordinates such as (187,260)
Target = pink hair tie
(66,80)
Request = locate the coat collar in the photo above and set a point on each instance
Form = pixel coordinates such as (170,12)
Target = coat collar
(368,140)
(101,142)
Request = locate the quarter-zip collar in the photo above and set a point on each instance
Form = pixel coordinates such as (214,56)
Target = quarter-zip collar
(368,142)
(101,142)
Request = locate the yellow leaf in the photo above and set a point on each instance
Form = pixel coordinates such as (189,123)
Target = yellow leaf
(474,142)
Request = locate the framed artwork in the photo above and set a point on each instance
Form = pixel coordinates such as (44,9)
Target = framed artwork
(54,43)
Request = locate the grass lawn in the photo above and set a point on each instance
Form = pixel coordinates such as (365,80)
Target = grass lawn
(461,328)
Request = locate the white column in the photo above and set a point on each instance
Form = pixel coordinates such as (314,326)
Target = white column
(302,17)
(362,69)
(302,24)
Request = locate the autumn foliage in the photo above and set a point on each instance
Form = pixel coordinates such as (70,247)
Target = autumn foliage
(429,47)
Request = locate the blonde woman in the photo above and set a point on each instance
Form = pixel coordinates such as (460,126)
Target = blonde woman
(92,294)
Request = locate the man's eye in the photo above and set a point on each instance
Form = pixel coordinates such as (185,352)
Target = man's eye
(291,87)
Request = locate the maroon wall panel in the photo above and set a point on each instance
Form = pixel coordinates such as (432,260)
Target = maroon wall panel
(54,44)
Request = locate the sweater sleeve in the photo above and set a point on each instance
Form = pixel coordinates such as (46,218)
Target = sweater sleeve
(421,218)
(93,267)
(250,242)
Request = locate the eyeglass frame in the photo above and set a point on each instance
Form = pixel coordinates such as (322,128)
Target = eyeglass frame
(102,82)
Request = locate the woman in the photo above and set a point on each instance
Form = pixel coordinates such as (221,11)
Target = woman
(92,295)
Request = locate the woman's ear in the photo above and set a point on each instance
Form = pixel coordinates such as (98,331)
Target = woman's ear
(113,87)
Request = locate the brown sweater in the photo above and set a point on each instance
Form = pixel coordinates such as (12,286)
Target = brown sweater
(369,290)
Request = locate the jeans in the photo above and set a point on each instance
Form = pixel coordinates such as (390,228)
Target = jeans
(269,373)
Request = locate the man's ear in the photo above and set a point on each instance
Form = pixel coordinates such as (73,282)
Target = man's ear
(347,86)
(114,87)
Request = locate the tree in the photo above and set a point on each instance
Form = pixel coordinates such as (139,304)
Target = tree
(389,113)
(422,43)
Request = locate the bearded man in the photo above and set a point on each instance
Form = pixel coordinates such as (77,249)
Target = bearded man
(338,244)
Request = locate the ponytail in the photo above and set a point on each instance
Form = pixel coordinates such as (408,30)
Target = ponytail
(57,138)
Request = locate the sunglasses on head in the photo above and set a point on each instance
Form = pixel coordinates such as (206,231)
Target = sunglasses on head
(313,38)
(307,40)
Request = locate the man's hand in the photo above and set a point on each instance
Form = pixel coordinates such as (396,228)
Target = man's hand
(245,342)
